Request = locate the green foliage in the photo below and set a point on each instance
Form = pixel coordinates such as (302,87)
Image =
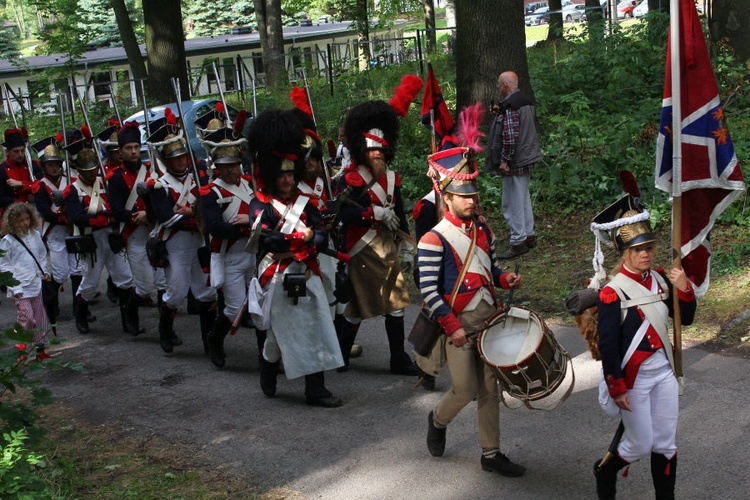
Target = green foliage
(216,17)
(99,26)
(8,44)
(18,463)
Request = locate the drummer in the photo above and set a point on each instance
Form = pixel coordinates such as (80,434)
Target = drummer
(457,277)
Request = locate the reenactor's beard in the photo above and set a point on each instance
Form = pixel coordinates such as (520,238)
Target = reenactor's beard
(378,167)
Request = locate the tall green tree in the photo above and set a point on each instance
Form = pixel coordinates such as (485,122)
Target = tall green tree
(729,21)
(165,45)
(8,45)
(60,32)
(217,17)
(268,14)
(99,24)
(485,48)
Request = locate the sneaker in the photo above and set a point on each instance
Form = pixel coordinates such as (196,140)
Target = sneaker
(435,438)
(514,251)
(502,465)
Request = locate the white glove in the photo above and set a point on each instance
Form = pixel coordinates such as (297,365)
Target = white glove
(406,255)
(387,216)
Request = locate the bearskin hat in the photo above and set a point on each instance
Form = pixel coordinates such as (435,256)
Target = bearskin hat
(276,139)
(371,125)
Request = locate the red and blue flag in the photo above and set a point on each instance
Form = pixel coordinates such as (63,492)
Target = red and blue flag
(432,100)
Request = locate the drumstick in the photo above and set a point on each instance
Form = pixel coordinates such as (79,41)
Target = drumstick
(510,295)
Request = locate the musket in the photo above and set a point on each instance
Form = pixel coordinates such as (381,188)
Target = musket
(151,156)
(181,116)
(114,103)
(65,136)
(255,101)
(326,173)
(102,170)
(221,91)
(8,92)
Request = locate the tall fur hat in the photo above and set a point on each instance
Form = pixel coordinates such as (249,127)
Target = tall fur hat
(130,132)
(276,139)
(371,125)
(15,137)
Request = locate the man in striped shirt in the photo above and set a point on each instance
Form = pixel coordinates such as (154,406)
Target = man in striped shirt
(461,300)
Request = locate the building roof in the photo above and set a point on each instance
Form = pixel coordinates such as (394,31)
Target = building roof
(193,47)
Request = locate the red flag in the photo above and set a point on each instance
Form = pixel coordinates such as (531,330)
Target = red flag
(711,176)
(433,100)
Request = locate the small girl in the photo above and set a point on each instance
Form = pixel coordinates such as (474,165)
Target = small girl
(25,257)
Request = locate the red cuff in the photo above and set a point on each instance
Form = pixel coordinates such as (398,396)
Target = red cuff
(504,281)
(100,220)
(688,296)
(298,246)
(294,235)
(449,323)
(616,386)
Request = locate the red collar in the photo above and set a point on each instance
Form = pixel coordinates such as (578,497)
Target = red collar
(459,223)
(639,277)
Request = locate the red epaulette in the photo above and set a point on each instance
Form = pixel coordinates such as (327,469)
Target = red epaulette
(263,197)
(205,190)
(608,295)
(353,178)
(108,175)
(417,210)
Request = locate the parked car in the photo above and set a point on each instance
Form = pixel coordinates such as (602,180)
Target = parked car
(574,13)
(641,10)
(626,8)
(540,16)
(305,22)
(193,110)
(533,6)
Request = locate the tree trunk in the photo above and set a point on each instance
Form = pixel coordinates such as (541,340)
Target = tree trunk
(268,15)
(129,42)
(165,46)
(484,50)
(362,21)
(729,19)
(429,24)
(594,19)
(450,13)
(555,31)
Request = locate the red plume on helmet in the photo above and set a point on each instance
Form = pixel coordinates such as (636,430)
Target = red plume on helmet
(59,137)
(170,116)
(25,133)
(239,122)
(300,100)
(220,107)
(114,123)
(86,132)
(405,94)
(629,184)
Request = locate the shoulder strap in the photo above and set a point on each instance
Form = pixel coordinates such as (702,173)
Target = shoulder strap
(30,252)
(465,266)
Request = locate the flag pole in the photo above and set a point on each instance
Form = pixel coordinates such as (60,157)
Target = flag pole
(675,71)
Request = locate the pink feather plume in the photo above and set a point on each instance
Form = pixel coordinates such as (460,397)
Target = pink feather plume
(469,120)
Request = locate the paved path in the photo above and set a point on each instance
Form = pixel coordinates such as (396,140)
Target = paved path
(374,446)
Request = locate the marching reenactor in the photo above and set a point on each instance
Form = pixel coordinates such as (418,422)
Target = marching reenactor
(49,203)
(129,211)
(373,223)
(296,235)
(174,198)
(225,208)
(458,276)
(16,177)
(87,207)
(107,139)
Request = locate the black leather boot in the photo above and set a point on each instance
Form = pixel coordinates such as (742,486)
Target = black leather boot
(401,363)
(75,281)
(51,299)
(316,393)
(166,326)
(346,333)
(664,474)
(112,294)
(216,340)
(129,311)
(606,476)
(81,313)
(268,373)
(207,316)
